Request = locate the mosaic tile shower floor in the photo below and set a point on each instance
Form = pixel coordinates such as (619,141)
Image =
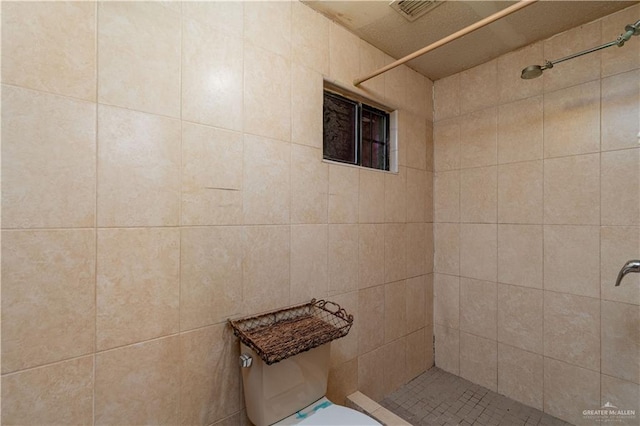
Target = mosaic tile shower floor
(440,398)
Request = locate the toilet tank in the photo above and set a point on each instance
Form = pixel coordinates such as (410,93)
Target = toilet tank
(273,392)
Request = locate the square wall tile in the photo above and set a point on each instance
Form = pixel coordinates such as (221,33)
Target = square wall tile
(586,68)
(265,269)
(520,130)
(267,93)
(345,349)
(417,358)
(370,365)
(620,111)
(48,300)
(225,17)
(395,252)
(568,390)
(446,196)
(309,185)
(206,398)
(446,300)
(617,244)
(478,194)
(343,258)
(520,375)
(447,346)
(479,138)
(414,139)
(395,312)
(419,192)
(620,187)
(139,163)
(306,106)
(572,259)
(309,265)
(344,54)
(309,38)
(520,255)
(370,255)
(139,56)
(479,360)
(210,275)
(572,329)
(619,60)
(520,317)
(478,310)
(395,86)
(372,58)
(417,249)
(510,85)
(416,296)
(268,25)
(55,394)
(40,54)
(344,189)
(622,394)
(138,285)
(520,192)
(394,371)
(419,94)
(395,196)
(371,322)
(446,243)
(572,190)
(446,144)
(212,69)
(48,159)
(371,199)
(479,251)
(343,381)
(572,120)
(267,181)
(211,176)
(446,94)
(479,87)
(124,377)
(621,340)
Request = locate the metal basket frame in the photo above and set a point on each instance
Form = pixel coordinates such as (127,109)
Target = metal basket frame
(283,333)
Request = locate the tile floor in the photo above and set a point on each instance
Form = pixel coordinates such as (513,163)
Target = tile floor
(440,398)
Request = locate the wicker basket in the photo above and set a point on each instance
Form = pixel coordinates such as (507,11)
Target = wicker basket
(278,335)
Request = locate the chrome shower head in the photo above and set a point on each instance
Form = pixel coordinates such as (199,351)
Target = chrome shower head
(532,71)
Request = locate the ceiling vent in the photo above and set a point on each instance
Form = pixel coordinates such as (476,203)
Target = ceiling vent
(413,9)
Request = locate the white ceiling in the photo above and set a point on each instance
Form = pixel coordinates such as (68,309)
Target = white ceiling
(380,25)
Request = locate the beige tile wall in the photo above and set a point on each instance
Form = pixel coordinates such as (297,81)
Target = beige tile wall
(162,172)
(536,208)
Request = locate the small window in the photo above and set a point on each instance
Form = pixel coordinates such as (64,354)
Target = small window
(355,133)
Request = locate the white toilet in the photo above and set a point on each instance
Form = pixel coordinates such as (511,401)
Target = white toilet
(292,391)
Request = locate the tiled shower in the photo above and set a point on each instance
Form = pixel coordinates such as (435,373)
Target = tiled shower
(162,171)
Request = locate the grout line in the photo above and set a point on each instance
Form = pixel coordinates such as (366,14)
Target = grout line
(97,168)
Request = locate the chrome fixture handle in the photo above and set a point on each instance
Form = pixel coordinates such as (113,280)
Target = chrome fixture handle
(630,266)
(245,361)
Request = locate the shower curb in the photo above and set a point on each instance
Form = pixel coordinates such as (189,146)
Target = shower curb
(364,404)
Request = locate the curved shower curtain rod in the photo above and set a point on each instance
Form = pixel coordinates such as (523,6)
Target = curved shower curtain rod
(481,23)
(533,71)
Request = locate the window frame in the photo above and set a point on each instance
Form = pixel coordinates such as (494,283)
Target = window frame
(364,104)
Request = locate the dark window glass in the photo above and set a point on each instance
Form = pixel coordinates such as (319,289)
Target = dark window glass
(340,128)
(355,133)
(375,149)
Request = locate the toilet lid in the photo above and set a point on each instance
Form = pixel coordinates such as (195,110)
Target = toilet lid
(338,415)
